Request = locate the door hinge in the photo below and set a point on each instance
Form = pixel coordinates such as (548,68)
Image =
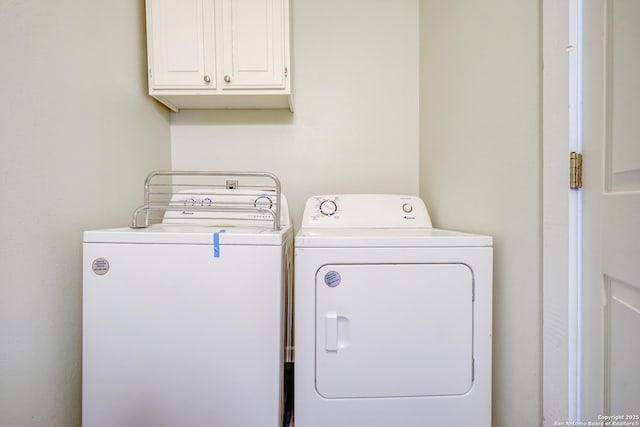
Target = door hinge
(575,170)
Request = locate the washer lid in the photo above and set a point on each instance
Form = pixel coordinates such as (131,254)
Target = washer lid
(387,237)
(190,234)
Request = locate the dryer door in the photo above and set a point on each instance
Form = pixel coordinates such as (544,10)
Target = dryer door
(394,330)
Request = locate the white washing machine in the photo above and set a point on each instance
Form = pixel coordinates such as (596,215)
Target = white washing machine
(185,322)
(392,317)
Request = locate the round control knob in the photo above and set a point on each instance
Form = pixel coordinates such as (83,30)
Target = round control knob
(328,207)
(263,202)
(190,202)
(407,208)
(206,202)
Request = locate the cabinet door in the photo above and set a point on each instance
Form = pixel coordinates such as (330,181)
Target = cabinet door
(253,44)
(181,44)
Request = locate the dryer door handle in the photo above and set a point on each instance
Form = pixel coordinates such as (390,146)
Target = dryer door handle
(331,331)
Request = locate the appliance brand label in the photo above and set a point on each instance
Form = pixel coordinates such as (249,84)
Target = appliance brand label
(332,279)
(100,266)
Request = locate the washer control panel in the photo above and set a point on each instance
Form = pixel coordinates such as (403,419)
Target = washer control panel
(231,207)
(365,211)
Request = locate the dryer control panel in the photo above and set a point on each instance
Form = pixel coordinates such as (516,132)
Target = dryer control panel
(365,211)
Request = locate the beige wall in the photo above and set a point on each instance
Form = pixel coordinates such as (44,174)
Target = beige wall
(480,167)
(355,126)
(77,126)
(77,135)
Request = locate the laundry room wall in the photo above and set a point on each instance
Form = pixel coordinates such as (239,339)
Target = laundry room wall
(480,168)
(355,126)
(78,135)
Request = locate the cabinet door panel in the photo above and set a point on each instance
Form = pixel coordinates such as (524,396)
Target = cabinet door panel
(182,44)
(253,44)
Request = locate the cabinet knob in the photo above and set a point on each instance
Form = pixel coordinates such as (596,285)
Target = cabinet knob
(207,79)
(227,79)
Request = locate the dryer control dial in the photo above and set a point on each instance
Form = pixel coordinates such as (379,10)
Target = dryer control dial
(328,207)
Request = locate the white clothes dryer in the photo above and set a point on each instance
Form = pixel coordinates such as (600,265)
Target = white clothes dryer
(185,322)
(392,317)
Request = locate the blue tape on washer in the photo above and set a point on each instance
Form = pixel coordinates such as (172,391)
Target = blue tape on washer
(216,243)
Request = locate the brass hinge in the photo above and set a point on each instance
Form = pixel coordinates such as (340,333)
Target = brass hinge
(575,171)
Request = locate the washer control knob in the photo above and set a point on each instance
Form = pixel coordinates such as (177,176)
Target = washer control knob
(263,202)
(407,208)
(191,201)
(206,201)
(328,207)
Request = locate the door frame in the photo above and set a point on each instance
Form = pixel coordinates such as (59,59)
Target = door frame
(561,271)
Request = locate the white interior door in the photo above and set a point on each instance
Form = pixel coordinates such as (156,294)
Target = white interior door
(610,298)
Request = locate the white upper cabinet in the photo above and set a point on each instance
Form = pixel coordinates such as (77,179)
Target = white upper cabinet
(219,53)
